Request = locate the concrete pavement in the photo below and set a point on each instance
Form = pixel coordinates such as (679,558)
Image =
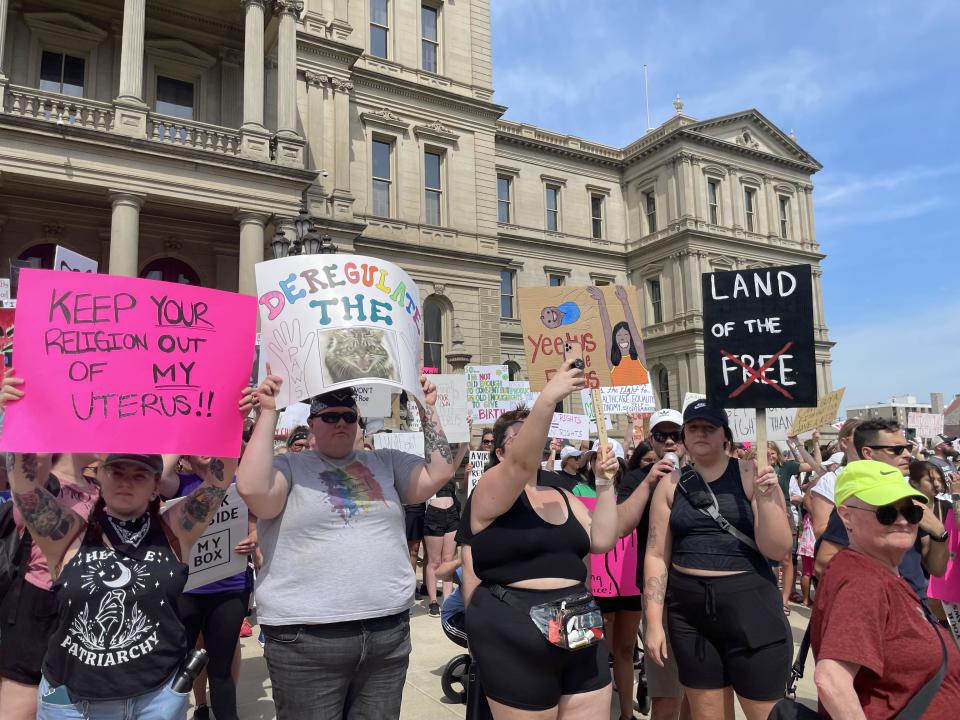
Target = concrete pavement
(422,696)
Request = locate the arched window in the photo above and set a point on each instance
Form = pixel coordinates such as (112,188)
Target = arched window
(433,312)
(663,387)
(40,256)
(170,269)
(513,369)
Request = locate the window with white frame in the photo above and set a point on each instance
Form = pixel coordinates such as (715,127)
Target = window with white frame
(656,300)
(433,187)
(429,38)
(650,210)
(382,173)
(62,73)
(553,208)
(713,201)
(508,290)
(784,204)
(379,27)
(750,208)
(175,97)
(504,189)
(596,216)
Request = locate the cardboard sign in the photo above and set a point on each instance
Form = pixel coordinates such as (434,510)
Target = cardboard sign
(212,557)
(293,416)
(117,364)
(926,424)
(743,421)
(614,573)
(604,320)
(332,321)
(478,461)
(70,261)
(6,336)
(626,400)
(452,406)
(823,414)
(570,427)
(484,389)
(408,442)
(758,338)
(373,401)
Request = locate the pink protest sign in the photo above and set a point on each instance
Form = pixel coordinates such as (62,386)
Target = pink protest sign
(117,364)
(614,573)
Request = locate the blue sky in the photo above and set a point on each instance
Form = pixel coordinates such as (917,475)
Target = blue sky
(872,89)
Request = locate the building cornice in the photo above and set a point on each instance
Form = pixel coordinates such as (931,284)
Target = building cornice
(342,54)
(420,93)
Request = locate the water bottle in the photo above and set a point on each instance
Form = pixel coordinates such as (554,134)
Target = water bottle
(193,665)
(674,458)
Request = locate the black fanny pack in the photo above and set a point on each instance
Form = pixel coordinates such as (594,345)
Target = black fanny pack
(572,622)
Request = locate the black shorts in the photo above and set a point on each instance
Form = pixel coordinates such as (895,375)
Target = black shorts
(730,631)
(437,522)
(618,603)
(28,620)
(453,628)
(518,667)
(413,519)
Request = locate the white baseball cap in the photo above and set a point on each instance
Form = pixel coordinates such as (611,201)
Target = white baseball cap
(569,451)
(666,415)
(615,444)
(835,459)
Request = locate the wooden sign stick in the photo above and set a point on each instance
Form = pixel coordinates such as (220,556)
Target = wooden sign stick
(762,463)
(600,417)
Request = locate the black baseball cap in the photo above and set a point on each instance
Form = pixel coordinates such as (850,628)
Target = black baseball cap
(700,410)
(345,397)
(153,463)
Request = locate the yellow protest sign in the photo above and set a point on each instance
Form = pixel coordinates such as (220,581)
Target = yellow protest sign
(604,320)
(823,414)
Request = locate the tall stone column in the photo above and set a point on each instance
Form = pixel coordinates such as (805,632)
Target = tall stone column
(130,112)
(734,190)
(4,10)
(811,225)
(254,139)
(125,232)
(773,208)
(342,197)
(290,145)
(251,249)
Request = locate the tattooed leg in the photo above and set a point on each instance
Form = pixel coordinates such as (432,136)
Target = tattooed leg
(434,439)
(44,515)
(201,503)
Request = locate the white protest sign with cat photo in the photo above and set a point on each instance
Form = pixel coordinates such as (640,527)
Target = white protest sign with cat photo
(335,321)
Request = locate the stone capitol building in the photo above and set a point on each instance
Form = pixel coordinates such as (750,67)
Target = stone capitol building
(174,139)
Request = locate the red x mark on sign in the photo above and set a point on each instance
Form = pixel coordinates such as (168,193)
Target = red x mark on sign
(759,374)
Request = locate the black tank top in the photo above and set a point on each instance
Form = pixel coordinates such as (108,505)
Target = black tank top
(118,634)
(700,544)
(449,490)
(520,545)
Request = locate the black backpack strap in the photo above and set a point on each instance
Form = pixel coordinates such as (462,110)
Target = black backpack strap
(918,703)
(796,672)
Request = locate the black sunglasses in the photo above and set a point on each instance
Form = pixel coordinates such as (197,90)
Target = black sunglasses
(893,449)
(332,418)
(487,441)
(887,514)
(662,437)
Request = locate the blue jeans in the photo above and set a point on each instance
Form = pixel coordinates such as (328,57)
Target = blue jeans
(161,704)
(339,671)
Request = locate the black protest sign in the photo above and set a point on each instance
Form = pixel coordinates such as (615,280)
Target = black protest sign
(758,338)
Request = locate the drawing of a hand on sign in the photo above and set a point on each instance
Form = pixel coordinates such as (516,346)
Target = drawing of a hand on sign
(294,351)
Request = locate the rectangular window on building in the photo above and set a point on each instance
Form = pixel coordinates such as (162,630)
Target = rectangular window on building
(508,284)
(430,40)
(784,216)
(650,203)
(601,283)
(504,211)
(749,208)
(656,302)
(379,27)
(174,97)
(382,177)
(713,201)
(433,187)
(61,73)
(555,280)
(596,216)
(553,208)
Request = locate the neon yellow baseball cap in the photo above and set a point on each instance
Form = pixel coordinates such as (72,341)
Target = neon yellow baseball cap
(875,483)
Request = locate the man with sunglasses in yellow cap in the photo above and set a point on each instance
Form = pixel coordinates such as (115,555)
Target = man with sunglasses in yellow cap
(879,651)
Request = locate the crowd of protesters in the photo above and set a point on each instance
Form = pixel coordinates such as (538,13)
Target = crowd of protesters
(863,529)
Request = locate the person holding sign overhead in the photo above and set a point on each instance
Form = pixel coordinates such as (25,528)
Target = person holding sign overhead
(118,575)
(335,589)
(533,627)
(624,341)
(713,578)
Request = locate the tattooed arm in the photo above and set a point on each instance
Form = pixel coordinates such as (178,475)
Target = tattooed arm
(189,518)
(655,565)
(52,526)
(438,467)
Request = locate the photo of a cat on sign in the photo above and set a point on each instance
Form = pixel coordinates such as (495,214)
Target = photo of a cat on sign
(356,353)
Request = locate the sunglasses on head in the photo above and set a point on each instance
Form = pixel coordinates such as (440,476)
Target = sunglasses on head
(887,514)
(332,418)
(892,449)
(661,437)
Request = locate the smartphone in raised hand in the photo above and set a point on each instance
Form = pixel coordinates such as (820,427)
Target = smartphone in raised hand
(573,350)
